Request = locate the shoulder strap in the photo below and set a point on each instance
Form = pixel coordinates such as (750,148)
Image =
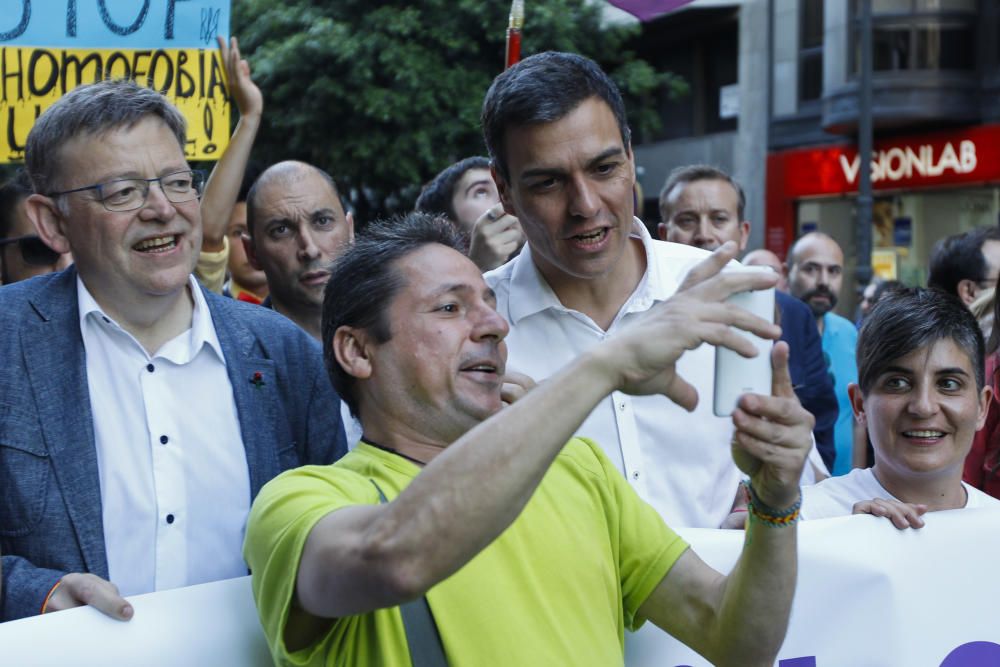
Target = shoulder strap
(422,636)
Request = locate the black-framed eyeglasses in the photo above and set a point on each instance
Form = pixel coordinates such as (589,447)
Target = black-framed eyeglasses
(129,194)
(33,250)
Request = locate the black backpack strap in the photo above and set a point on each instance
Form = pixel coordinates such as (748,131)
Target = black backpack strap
(422,637)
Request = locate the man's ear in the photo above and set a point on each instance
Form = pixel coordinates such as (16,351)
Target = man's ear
(744,235)
(967,290)
(503,188)
(351,350)
(661,231)
(251,251)
(857,403)
(48,220)
(350,226)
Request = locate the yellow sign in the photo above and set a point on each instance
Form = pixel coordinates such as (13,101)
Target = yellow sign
(31,79)
(884,264)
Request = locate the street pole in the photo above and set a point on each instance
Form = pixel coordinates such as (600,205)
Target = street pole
(863,234)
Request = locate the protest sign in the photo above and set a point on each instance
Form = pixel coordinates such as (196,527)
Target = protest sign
(48,47)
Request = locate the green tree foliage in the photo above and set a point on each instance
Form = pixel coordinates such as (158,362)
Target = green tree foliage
(386,93)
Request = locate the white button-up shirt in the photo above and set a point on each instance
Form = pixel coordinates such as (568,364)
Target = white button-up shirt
(679,462)
(175,488)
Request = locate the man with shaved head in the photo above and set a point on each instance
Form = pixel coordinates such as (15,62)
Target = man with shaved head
(297,226)
(764,257)
(815,274)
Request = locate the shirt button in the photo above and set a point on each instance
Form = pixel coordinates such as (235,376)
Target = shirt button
(621,406)
(164,439)
(150,368)
(635,474)
(170,518)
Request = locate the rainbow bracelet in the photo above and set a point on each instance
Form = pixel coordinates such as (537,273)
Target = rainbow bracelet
(769,516)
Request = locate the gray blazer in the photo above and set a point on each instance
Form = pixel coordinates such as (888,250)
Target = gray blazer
(50,496)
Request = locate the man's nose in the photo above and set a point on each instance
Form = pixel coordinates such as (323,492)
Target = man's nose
(584,202)
(703,231)
(157,203)
(308,250)
(489,324)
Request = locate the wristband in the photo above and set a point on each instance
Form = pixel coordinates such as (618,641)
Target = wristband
(48,596)
(769,516)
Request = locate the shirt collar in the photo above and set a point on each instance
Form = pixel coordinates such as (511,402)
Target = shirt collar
(535,295)
(201,333)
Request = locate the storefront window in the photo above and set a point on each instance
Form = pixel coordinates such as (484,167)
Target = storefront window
(905,228)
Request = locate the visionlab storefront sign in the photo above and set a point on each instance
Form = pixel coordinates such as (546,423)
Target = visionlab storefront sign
(964,157)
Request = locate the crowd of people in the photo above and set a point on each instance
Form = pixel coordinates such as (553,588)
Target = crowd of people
(461,435)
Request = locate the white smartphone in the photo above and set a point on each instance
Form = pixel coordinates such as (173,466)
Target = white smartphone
(736,375)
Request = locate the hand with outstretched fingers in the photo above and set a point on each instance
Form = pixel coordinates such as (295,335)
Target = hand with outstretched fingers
(644,354)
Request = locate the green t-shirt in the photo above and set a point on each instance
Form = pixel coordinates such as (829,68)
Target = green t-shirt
(558,587)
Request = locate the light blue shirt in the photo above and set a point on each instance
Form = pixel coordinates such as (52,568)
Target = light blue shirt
(840,340)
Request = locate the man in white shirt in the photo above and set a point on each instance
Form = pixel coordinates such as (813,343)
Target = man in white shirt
(922,396)
(562,158)
(141,414)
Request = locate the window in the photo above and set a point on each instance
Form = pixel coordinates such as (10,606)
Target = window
(918,35)
(810,50)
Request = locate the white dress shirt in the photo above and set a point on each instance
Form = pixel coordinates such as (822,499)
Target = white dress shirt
(175,488)
(679,462)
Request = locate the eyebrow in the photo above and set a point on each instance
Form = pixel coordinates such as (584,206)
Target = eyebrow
(461,288)
(324,211)
(614,151)
(477,183)
(951,370)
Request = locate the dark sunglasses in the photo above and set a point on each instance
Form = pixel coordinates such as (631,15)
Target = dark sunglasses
(33,250)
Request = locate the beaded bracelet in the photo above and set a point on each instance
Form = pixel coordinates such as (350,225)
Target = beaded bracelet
(769,516)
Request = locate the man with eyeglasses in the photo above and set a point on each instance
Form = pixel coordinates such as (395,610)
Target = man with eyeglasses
(967,263)
(22,253)
(140,413)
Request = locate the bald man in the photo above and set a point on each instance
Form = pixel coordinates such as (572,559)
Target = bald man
(764,257)
(815,275)
(297,226)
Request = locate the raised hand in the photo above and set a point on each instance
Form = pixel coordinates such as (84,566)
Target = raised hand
(245,93)
(644,353)
(494,237)
(773,437)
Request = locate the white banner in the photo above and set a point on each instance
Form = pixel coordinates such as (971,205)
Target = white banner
(868,596)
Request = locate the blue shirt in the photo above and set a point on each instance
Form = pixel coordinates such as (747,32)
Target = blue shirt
(840,339)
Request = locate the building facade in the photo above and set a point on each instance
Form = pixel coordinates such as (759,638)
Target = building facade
(936,115)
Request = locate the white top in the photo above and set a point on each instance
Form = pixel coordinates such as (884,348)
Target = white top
(836,496)
(679,462)
(175,489)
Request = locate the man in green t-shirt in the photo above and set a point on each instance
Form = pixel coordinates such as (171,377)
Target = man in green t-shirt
(528,545)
